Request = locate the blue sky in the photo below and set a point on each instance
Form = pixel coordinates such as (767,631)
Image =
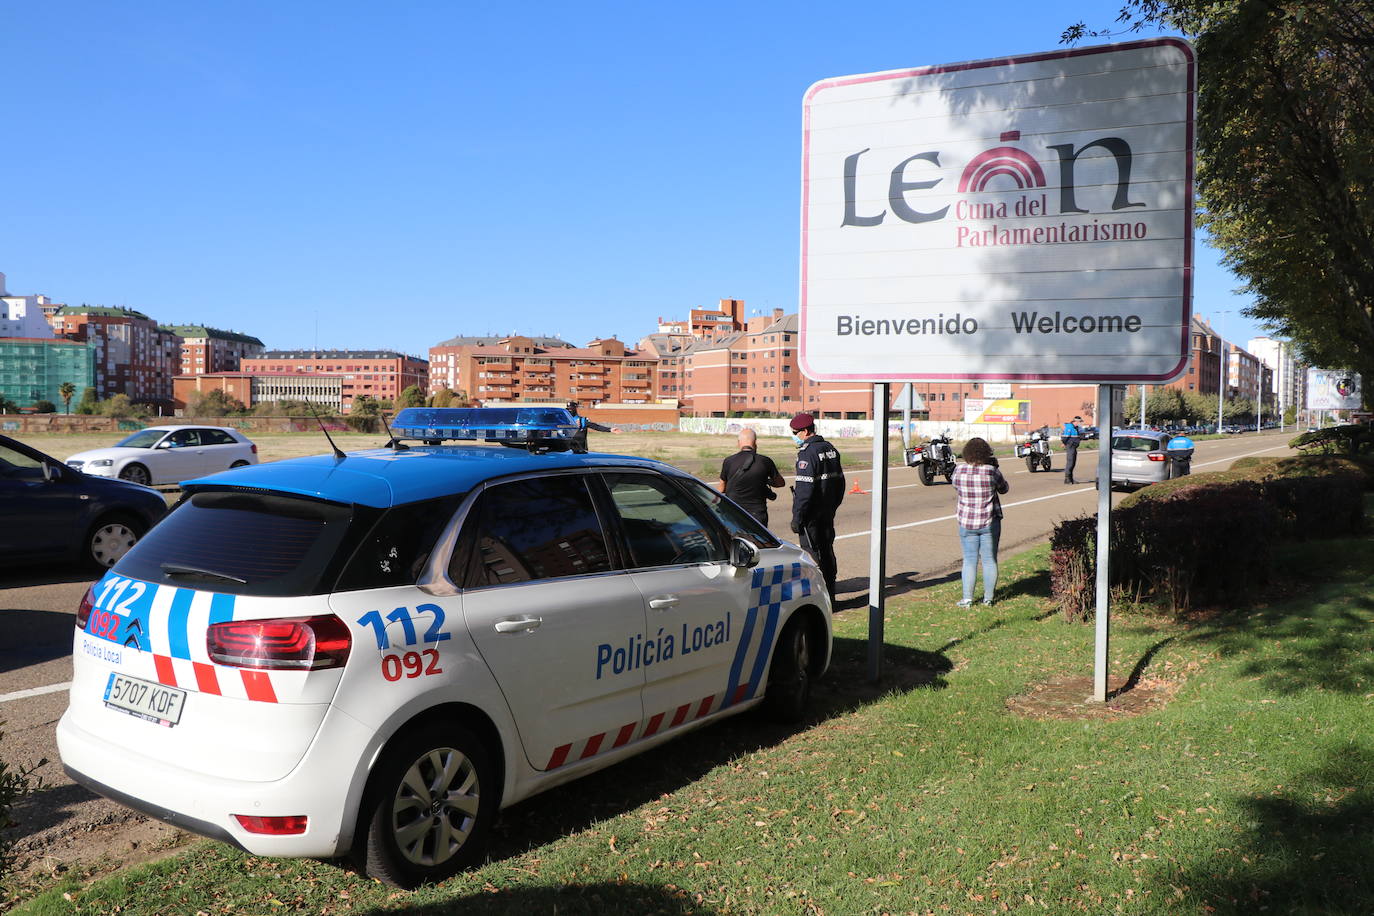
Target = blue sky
(375,175)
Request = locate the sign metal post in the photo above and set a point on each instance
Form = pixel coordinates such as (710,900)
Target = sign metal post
(877,543)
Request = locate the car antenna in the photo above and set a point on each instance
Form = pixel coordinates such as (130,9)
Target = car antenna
(391,441)
(338,454)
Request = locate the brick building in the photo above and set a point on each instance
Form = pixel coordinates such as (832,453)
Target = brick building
(208,350)
(133,355)
(378,374)
(254,389)
(520,369)
(447,366)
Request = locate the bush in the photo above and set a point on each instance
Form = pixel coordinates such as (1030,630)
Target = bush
(1209,537)
(14,785)
(44,407)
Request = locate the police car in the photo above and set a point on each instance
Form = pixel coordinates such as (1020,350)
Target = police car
(373,653)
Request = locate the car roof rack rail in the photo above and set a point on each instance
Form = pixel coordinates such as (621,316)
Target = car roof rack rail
(538,429)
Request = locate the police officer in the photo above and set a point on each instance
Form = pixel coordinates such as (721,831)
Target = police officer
(1070,437)
(579,443)
(818,492)
(1179,450)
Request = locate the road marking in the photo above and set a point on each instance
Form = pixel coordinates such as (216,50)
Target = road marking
(1026,502)
(33,692)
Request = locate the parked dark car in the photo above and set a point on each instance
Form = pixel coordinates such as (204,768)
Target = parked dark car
(53,513)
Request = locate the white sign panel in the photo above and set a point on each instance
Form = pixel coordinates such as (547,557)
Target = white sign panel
(1327,390)
(1022,219)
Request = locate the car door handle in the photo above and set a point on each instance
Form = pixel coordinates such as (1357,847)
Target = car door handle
(659,602)
(518,624)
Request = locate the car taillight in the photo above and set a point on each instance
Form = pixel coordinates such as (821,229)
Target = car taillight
(1155,456)
(276,826)
(83,610)
(254,447)
(294,643)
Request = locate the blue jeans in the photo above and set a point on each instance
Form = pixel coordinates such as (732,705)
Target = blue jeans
(984,541)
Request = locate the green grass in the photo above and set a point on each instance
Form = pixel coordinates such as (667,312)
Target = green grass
(1244,789)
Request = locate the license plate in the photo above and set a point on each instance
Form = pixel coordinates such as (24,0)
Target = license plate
(144,699)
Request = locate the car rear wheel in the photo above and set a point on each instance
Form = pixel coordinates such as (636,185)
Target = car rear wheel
(789,677)
(238,464)
(109,539)
(136,473)
(432,801)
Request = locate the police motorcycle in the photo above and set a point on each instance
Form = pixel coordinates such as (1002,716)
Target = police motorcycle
(934,457)
(1036,450)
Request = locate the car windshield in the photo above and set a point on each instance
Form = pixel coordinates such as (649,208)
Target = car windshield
(144,438)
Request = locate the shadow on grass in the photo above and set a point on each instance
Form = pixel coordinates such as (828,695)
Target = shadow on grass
(1307,851)
(620,788)
(1320,634)
(571,900)
(897,584)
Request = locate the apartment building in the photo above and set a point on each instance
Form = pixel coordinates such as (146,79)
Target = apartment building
(133,355)
(378,374)
(33,368)
(25,316)
(206,350)
(520,369)
(447,364)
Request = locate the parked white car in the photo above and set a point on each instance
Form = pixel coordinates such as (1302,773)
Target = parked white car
(168,454)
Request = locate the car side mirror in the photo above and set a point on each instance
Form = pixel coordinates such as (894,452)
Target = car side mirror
(166,443)
(744,554)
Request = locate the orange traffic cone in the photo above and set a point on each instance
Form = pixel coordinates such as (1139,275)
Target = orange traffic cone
(858,489)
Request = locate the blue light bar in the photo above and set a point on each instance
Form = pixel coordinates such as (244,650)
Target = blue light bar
(516,425)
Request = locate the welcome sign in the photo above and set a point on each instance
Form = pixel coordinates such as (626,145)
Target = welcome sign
(1022,219)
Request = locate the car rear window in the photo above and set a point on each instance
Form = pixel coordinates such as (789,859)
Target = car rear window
(249,543)
(1135,444)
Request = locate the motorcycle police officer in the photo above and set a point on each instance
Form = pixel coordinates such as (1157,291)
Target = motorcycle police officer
(818,492)
(1070,437)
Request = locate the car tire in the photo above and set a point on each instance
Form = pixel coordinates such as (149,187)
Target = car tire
(136,473)
(238,464)
(108,540)
(789,677)
(430,805)
(927,473)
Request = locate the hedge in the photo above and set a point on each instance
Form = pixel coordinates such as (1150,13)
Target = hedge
(1209,537)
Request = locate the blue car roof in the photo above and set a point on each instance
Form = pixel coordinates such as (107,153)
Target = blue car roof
(382,478)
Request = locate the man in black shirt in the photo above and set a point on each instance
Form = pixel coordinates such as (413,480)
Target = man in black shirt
(746,477)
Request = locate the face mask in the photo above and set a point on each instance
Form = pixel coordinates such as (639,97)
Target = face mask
(798,440)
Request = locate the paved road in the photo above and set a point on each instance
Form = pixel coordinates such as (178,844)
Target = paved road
(36,606)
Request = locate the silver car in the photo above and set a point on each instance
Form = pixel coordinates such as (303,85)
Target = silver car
(1139,457)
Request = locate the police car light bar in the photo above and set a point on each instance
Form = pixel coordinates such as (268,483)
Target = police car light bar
(515,425)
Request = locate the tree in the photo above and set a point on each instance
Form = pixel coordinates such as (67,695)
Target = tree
(8,406)
(44,406)
(213,403)
(90,402)
(117,406)
(411,397)
(1285,143)
(67,391)
(441,398)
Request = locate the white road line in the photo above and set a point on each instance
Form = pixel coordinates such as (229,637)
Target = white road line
(1026,502)
(33,692)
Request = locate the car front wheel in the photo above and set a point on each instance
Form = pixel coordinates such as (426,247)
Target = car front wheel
(136,473)
(789,678)
(109,539)
(432,800)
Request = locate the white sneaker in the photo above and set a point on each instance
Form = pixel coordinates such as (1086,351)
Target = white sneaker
(967,602)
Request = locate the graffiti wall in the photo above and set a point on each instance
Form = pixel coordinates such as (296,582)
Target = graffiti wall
(850,429)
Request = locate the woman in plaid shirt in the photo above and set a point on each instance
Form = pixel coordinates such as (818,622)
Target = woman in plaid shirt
(977,482)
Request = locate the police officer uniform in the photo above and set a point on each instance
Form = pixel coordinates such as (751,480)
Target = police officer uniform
(818,492)
(1070,437)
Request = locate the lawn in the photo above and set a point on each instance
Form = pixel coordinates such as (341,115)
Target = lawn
(1230,775)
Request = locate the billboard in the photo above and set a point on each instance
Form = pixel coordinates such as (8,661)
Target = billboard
(1330,390)
(996,410)
(1026,218)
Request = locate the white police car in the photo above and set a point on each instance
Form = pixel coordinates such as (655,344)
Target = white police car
(374,653)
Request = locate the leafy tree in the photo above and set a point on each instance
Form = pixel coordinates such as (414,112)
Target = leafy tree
(441,398)
(67,391)
(1200,407)
(8,406)
(90,402)
(411,397)
(1290,415)
(213,403)
(44,406)
(1285,148)
(117,406)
